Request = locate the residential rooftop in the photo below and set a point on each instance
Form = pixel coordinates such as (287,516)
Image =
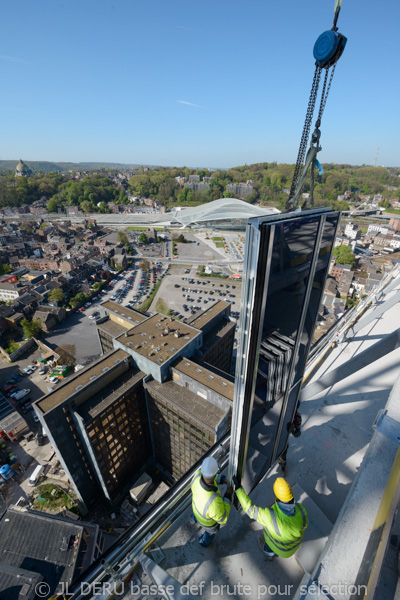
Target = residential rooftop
(32,541)
(82,378)
(158,337)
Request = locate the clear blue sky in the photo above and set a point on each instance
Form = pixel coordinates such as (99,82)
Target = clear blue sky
(211,83)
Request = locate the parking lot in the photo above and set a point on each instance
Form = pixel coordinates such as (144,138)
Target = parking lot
(34,382)
(185,294)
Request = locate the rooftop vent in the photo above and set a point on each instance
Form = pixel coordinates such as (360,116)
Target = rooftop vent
(93,377)
(167,330)
(164,344)
(129,344)
(105,369)
(79,387)
(198,370)
(144,333)
(186,337)
(137,346)
(177,333)
(172,349)
(211,377)
(152,337)
(126,334)
(223,383)
(129,318)
(159,360)
(187,364)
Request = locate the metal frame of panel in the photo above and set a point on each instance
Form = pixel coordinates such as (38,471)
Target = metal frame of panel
(261,234)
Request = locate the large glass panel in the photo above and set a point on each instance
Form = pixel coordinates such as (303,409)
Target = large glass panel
(284,312)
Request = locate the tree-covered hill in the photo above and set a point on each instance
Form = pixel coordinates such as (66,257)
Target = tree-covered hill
(270,181)
(45,166)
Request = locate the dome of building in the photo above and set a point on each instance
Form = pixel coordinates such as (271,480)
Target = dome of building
(22,169)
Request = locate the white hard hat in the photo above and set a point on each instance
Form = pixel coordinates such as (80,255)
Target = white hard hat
(209,468)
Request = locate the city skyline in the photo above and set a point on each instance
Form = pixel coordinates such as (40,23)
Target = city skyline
(164,85)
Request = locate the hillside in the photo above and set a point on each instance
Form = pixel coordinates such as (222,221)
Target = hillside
(45,166)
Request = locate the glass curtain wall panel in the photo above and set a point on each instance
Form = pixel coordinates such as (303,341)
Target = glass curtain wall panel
(286,266)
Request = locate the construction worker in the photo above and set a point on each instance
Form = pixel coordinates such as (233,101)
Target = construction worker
(284,524)
(209,508)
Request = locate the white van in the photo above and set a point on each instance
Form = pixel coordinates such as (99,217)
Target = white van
(34,478)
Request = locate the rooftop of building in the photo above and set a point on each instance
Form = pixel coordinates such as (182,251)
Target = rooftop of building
(158,338)
(216,333)
(32,541)
(18,583)
(200,320)
(122,311)
(188,403)
(84,377)
(208,378)
(111,328)
(95,405)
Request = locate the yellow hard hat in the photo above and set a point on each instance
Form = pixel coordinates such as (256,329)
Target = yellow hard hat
(282,490)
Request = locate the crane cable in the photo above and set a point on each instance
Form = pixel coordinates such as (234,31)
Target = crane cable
(327,51)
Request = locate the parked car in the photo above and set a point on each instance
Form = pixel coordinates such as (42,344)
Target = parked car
(9,388)
(35,418)
(54,379)
(21,394)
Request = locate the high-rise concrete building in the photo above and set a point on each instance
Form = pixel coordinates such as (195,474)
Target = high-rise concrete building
(145,401)
(188,415)
(97,423)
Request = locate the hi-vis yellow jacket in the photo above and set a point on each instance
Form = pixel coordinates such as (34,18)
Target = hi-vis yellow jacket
(283,533)
(208,506)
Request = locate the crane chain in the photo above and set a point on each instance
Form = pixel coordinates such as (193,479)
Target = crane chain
(324,96)
(306,132)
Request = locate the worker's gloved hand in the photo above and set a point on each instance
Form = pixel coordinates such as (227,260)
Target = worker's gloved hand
(221,479)
(236,482)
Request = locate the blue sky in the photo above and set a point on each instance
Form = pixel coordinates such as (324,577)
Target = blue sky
(211,83)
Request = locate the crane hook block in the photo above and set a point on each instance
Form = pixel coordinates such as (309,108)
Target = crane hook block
(329,48)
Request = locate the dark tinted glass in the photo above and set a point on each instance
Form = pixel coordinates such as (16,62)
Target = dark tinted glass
(284,321)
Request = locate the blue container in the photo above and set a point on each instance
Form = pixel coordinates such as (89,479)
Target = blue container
(6,472)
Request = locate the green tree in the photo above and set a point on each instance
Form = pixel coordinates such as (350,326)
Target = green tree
(121,236)
(96,286)
(344,255)
(4,268)
(143,238)
(144,265)
(78,299)
(57,295)
(32,328)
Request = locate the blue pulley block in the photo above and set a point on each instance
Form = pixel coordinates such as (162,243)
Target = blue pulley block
(328,48)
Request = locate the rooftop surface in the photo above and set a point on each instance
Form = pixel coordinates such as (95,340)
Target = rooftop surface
(95,405)
(129,314)
(187,402)
(83,377)
(336,431)
(205,317)
(112,328)
(155,338)
(32,542)
(208,378)
(216,333)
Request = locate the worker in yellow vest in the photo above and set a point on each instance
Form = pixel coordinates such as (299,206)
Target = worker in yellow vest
(209,508)
(284,524)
